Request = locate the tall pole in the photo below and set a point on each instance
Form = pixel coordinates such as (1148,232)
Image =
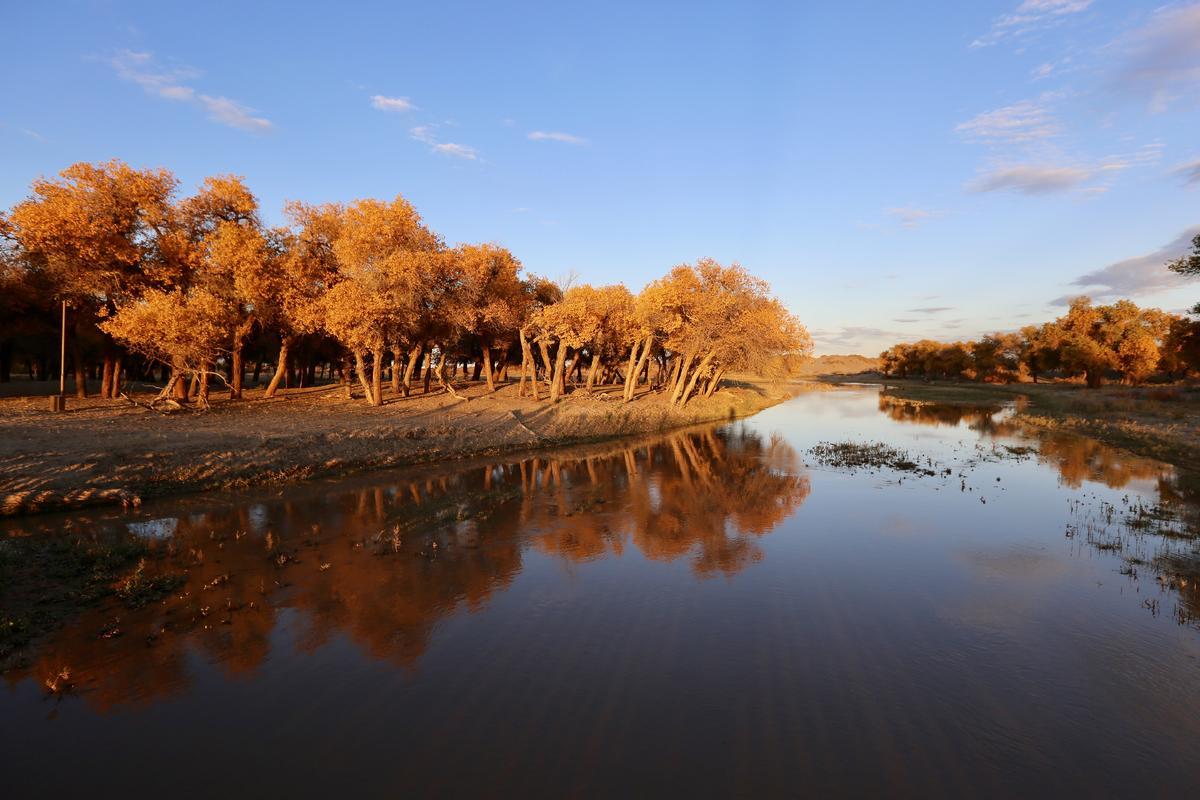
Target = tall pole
(62,358)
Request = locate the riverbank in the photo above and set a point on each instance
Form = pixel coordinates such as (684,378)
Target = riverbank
(1161,422)
(103,452)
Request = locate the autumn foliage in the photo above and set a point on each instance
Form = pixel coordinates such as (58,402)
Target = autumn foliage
(1089,342)
(357,292)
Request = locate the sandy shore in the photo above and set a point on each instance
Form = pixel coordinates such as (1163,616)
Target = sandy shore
(111,452)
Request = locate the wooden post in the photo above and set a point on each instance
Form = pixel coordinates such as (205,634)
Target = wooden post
(59,402)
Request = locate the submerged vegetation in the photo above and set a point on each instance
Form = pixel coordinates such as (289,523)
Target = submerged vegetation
(47,578)
(868,455)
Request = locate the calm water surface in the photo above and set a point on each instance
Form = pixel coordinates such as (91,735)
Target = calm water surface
(709,613)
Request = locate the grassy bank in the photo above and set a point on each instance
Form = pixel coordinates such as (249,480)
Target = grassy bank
(1159,422)
(106,452)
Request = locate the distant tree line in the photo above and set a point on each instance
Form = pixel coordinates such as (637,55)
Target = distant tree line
(1089,342)
(188,291)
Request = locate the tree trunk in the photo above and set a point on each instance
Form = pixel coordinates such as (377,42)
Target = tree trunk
(237,366)
(428,368)
(634,352)
(487,367)
(396,372)
(280,367)
(361,370)
(441,377)
(415,357)
(715,382)
(203,393)
(528,365)
(557,380)
(80,368)
(685,365)
(691,385)
(544,346)
(181,388)
(592,370)
(631,380)
(377,378)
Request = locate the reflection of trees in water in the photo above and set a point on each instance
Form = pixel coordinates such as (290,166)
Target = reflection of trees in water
(381,565)
(707,494)
(1168,530)
(1077,458)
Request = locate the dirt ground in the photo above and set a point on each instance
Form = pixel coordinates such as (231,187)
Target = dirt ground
(111,451)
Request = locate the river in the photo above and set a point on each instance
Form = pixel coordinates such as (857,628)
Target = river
(714,612)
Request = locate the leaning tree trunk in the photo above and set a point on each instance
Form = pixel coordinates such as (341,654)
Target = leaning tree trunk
(528,365)
(557,380)
(691,386)
(544,346)
(631,379)
(685,368)
(360,369)
(632,369)
(280,367)
(592,370)
(414,361)
(715,382)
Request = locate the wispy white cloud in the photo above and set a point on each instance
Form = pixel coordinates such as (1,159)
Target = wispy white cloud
(1030,179)
(1136,276)
(1027,121)
(1041,71)
(910,217)
(32,134)
(456,150)
(930,309)
(427,134)
(384,103)
(1190,172)
(556,136)
(1161,60)
(234,114)
(1029,17)
(142,69)
(854,337)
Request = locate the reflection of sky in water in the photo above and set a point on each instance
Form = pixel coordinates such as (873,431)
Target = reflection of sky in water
(154,528)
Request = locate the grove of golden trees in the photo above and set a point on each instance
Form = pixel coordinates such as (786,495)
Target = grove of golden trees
(193,292)
(1089,342)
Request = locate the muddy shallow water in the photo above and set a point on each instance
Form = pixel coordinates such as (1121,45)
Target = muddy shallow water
(713,612)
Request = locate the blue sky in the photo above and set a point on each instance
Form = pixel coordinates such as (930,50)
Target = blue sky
(896,170)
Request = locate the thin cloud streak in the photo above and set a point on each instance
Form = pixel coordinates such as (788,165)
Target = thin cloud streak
(1031,16)
(1162,59)
(140,68)
(1136,276)
(385,103)
(1022,122)
(427,135)
(1190,173)
(556,136)
(1030,179)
